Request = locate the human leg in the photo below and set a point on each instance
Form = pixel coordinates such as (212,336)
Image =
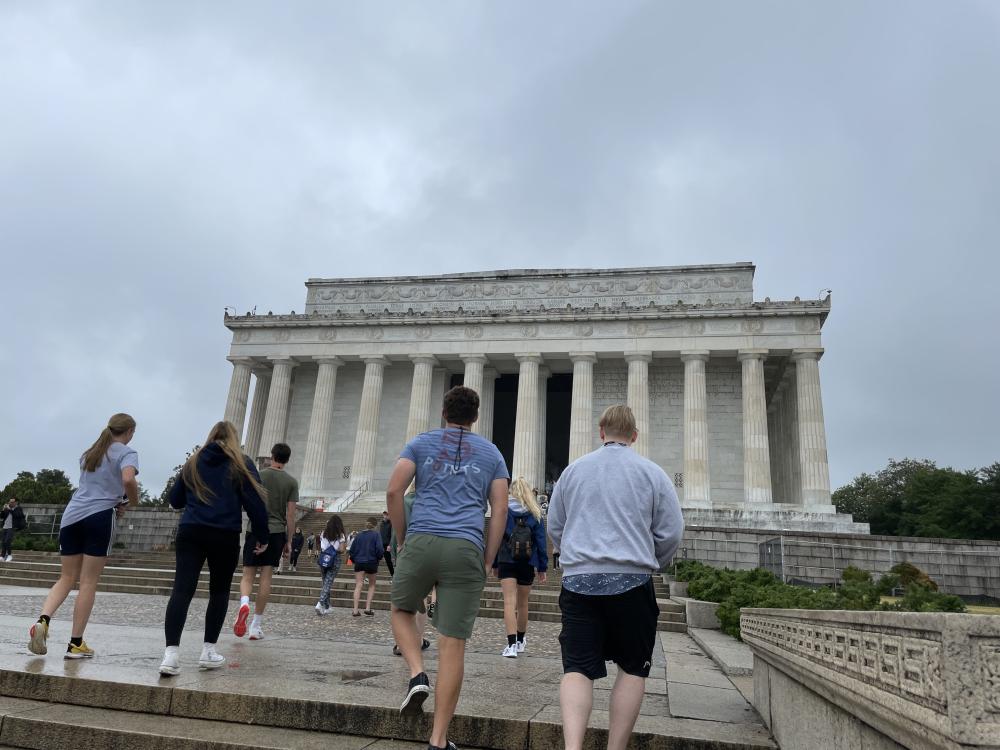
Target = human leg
(626,700)
(576,699)
(263,590)
(223,555)
(523,592)
(371,592)
(190,557)
(404,630)
(69,574)
(90,574)
(388,564)
(8,543)
(451,672)
(359,579)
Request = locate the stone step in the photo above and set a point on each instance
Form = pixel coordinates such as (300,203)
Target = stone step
(491,608)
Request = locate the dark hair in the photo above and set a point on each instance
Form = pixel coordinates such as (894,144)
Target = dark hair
(334,529)
(461,405)
(372,522)
(281,453)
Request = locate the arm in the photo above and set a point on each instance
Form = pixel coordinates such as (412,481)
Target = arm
(498,520)
(557,514)
(541,548)
(255,509)
(289,525)
(131,485)
(402,474)
(178,493)
(668,523)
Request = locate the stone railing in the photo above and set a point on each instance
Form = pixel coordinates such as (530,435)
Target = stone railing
(923,680)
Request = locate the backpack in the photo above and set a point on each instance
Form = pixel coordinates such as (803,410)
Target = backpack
(327,558)
(521,541)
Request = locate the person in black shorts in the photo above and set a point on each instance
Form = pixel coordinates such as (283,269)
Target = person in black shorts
(522,552)
(615,518)
(366,551)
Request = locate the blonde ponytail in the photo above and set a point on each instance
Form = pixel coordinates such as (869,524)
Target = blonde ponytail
(223,433)
(118,425)
(521,491)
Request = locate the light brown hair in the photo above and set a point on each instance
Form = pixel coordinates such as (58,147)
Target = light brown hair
(118,425)
(223,433)
(619,421)
(372,522)
(521,491)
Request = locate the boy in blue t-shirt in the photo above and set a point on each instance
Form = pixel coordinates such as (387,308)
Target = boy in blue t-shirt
(457,473)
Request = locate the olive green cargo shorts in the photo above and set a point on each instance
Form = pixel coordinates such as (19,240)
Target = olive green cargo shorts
(455,566)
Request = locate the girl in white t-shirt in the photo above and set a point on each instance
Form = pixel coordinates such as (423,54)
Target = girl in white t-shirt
(332,536)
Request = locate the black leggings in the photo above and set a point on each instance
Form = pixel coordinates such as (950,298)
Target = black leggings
(195,545)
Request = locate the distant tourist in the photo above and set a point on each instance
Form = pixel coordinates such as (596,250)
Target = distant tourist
(615,518)
(311,545)
(366,551)
(385,531)
(298,541)
(12,521)
(215,486)
(281,499)
(332,548)
(457,471)
(522,553)
(107,474)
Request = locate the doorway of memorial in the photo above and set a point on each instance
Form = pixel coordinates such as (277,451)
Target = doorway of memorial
(558,404)
(504,413)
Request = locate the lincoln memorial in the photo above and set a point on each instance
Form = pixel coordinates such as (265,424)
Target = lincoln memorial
(725,388)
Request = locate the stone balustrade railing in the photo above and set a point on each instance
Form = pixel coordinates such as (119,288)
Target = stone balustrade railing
(875,679)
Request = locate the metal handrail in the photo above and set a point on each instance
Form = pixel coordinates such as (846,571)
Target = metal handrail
(351,497)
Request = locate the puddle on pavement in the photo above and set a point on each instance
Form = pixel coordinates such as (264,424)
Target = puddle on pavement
(346,675)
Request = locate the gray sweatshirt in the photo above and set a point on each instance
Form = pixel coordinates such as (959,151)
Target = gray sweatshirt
(613,511)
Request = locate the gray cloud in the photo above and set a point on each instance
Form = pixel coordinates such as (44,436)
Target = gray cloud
(159,161)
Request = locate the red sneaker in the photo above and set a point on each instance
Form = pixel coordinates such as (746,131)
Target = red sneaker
(240,628)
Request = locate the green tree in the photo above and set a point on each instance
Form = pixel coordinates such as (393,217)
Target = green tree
(165,495)
(50,486)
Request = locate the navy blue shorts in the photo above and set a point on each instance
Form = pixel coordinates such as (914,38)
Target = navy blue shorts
(92,535)
(522,571)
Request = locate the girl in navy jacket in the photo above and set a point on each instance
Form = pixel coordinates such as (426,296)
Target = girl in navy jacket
(522,554)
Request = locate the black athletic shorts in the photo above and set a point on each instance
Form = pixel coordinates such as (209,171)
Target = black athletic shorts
(522,571)
(92,535)
(366,568)
(271,556)
(619,628)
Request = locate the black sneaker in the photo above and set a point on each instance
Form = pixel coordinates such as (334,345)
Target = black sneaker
(413,703)
(450,746)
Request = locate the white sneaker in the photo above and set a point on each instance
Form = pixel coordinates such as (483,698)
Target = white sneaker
(326,610)
(320,609)
(9,558)
(170,665)
(511,651)
(521,645)
(210,658)
(256,633)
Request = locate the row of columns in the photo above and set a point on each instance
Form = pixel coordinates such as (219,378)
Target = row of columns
(267,424)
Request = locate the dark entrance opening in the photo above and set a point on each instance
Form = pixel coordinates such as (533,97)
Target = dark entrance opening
(504,413)
(559,400)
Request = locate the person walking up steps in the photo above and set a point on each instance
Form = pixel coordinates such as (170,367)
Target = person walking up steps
(107,473)
(298,541)
(615,518)
(456,472)
(366,551)
(385,531)
(522,552)
(332,545)
(216,484)
(12,521)
(281,499)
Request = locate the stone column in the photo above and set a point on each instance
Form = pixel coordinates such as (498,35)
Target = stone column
(366,439)
(638,397)
(276,417)
(255,427)
(484,426)
(239,392)
(420,395)
(756,449)
(473,378)
(526,419)
(814,467)
(581,420)
(540,445)
(318,440)
(697,486)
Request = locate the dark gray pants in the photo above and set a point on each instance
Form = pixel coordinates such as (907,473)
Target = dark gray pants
(8,542)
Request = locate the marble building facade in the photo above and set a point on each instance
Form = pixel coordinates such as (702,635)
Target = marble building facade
(726,389)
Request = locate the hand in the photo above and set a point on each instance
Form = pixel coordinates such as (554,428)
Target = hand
(120,510)
(259,549)
(288,550)
(494,572)
(388,548)
(542,577)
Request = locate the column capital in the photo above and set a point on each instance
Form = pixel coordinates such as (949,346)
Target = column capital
(638,356)
(376,359)
(531,357)
(248,361)
(810,353)
(335,361)
(583,357)
(474,358)
(490,373)
(695,355)
(426,359)
(282,359)
(745,354)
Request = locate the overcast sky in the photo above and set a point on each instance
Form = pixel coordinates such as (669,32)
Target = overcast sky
(159,161)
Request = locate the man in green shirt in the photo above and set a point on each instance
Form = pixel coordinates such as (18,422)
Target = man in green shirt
(282,497)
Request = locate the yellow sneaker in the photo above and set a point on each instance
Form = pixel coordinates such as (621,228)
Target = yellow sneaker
(38,635)
(83,651)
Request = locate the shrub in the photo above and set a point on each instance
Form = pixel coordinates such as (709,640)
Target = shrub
(909,573)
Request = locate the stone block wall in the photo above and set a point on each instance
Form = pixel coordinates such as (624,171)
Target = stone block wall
(141,530)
